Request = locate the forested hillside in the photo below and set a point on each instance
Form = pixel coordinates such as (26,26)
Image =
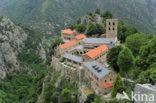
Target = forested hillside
(52,15)
(25,73)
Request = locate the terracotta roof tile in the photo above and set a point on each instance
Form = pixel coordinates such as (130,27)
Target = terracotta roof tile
(80,36)
(67,31)
(97,51)
(107,85)
(103,35)
(69,44)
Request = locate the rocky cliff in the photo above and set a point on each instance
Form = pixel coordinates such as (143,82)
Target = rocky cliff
(12,41)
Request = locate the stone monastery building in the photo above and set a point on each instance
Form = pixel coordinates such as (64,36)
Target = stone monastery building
(84,59)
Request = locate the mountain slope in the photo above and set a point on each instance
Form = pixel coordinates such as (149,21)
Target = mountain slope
(12,40)
(51,15)
(20,47)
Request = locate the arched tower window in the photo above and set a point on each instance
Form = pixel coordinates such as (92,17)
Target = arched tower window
(109,23)
(113,23)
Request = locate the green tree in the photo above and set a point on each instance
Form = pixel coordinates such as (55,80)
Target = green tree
(91,29)
(81,28)
(100,29)
(118,86)
(107,15)
(78,21)
(148,76)
(90,98)
(67,96)
(124,31)
(97,100)
(48,96)
(136,41)
(112,57)
(74,26)
(3,96)
(97,11)
(125,60)
(147,55)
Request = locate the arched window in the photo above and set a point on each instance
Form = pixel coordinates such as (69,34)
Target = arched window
(113,23)
(109,23)
(105,81)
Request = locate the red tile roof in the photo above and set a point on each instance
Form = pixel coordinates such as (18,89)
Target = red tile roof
(67,31)
(80,36)
(97,51)
(103,35)
(69,44)
(107,85)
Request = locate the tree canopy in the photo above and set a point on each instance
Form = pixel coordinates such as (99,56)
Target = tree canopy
(108,15)
(147,55)
(124,31)
(81,28)
(97,11)
(112,57)
(125,60)
(118,86)
(100,29)
(136,41)
(148,76)
(91,29)
(67,96)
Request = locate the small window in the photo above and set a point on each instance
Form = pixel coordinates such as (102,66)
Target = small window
(113,23)
(109,29)
(97,85)
(110,79)
(109,23)
(113,28)
(105,81)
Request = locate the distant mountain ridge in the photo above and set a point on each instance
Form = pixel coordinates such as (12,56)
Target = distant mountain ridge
(52,15)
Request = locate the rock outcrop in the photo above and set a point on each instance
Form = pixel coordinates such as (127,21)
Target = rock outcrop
(12,41)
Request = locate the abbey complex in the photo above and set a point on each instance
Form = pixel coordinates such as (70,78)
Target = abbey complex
(83,59)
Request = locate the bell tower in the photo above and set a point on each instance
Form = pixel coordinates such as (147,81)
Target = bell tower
(111,28)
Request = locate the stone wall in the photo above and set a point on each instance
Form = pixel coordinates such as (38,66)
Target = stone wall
(69,72)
